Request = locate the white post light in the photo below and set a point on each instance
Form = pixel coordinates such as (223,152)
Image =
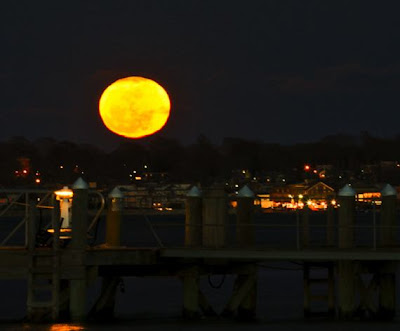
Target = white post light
(65,197)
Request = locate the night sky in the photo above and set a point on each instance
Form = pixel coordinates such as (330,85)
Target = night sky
(274,71)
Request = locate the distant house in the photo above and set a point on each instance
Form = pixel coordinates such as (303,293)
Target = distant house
(317,196)
(155,196)
(319,191)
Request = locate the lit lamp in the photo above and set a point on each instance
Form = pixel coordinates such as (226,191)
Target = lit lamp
(65,197)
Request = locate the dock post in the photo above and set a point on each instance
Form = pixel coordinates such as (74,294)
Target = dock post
(78,244)
(305,226)
(244,215)
(388,216)
(105,305)
(245,235)
(330,222)
(346,269)
(113,218)
(387,293)
(215,214)
(193,218)
(193,238)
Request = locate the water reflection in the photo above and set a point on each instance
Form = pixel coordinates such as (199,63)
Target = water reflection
(66,327)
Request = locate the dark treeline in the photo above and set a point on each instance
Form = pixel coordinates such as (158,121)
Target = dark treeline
(203,161)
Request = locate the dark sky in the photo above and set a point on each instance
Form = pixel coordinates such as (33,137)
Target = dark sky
(275,71)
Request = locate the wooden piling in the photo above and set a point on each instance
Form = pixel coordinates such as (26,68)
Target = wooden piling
(387,277)
(113,218)
(245,236)
(77,246)
(244,217)
(388,217)
(347,213)
(215,212)
(346,269)
(330,222)
(193,218)
(305,226)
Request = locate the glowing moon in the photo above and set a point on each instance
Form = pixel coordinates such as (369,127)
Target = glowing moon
(134,107)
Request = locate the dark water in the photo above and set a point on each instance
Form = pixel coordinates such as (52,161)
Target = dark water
(155,303)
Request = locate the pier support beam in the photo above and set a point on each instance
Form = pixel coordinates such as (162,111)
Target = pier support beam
(105,305)
(190,280)
(243,299)
(77,247)
(346,269)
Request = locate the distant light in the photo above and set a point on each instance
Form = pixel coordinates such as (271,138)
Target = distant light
(333,202)
(131,175)
(315,171)
(134,171)
(306,167)
(37,180)
(300,196)
(138,178)
(283,180)
(61,167)
(254,178)
(236,185)
(145,166)
(25,171)
(243,171)
(309,202)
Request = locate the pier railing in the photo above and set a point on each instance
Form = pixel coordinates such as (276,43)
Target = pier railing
(291,234)
(20,208)
(268,231)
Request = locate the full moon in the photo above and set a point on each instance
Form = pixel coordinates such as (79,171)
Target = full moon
(134,107)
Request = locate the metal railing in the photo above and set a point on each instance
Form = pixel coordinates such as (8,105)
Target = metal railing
(293,235)
(18,210)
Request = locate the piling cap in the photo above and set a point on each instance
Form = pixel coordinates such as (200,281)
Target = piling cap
(245,192)
(116,193)
(347,191)
(194,192)
(388,190)
(80,184)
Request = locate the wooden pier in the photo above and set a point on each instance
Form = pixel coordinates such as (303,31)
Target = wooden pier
(58,275)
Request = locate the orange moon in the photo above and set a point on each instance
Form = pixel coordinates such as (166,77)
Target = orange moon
(134,107)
